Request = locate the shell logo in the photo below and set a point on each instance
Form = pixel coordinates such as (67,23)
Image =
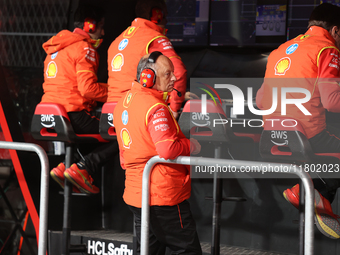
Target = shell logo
(126,138)
(282,66)
(117,62)
(51,70)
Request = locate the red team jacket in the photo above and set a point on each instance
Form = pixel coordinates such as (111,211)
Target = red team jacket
(141,38)
(70,70)
(309,61)
(145,128)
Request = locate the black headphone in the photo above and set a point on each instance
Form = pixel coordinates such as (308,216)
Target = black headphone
(148,75)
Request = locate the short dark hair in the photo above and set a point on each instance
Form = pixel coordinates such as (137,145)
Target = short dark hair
(144,7)
(326,16)
(85,11)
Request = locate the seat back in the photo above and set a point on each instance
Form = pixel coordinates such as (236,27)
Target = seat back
(285,140)
(51,122)
(212,126)
(106,128)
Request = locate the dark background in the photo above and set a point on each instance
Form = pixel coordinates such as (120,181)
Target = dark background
(264,221)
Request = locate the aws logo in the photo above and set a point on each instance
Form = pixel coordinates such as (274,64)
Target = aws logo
(49,118)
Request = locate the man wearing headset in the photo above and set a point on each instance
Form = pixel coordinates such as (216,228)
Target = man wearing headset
(70,79)
(145,35)
(145,128)
(311,62)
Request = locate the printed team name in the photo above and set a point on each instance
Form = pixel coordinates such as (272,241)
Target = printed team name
(159,120)
(91,54)
(94,247)
(162,127)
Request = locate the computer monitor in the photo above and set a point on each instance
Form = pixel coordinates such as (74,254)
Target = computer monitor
(188,22)
(271,21)
(232,23)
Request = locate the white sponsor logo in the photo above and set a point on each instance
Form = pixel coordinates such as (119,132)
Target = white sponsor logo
(110,119)
(158,114)
(98,247)
(167,47)
(333,65)
(158,120)
(91,54)
(166,43)
(47,118)
(162,127)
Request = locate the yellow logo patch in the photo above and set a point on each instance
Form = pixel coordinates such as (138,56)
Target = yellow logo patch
(117,62)
(130,32)
(126,138)
(51,70)
(282,66)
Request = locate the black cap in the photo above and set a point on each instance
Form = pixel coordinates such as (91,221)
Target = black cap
(327,12)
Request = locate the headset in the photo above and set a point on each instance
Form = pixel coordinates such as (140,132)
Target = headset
(90,25)
(156,15)
(148,75)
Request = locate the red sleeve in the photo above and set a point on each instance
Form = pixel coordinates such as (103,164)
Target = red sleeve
(88,84)
(328,73)
(164,45)
(164,131)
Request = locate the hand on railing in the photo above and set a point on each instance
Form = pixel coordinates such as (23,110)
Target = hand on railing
(195,145)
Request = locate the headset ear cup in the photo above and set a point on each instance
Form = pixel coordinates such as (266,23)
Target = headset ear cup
(156,15)
(147,78)
(89,25)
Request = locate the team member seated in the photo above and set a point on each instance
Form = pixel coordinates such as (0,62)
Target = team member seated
(311,62)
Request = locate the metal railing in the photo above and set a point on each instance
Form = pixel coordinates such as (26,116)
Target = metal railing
(306,181)
(42,242)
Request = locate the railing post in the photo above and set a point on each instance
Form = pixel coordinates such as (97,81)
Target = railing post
(42,242)
(306,181)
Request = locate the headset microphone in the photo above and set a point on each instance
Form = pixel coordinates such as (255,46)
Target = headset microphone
(179,94)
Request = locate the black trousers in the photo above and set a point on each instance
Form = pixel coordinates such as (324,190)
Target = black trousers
(95,155)
(172,230)
(326,142)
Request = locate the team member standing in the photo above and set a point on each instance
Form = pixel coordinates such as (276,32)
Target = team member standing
(311,61)
(145,128)
(70,79)
(145,35)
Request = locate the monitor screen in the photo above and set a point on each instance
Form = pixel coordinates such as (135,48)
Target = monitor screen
(188,22)
(259,22)
(270,22)
(232,22)
(299,12)
(335,2)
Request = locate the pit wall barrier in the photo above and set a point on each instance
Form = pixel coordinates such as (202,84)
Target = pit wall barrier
(305,179)
(43,213)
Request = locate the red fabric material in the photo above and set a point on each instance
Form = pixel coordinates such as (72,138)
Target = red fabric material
(142,37)
(70,72)
(308,67)
(146,128)
(329,76)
